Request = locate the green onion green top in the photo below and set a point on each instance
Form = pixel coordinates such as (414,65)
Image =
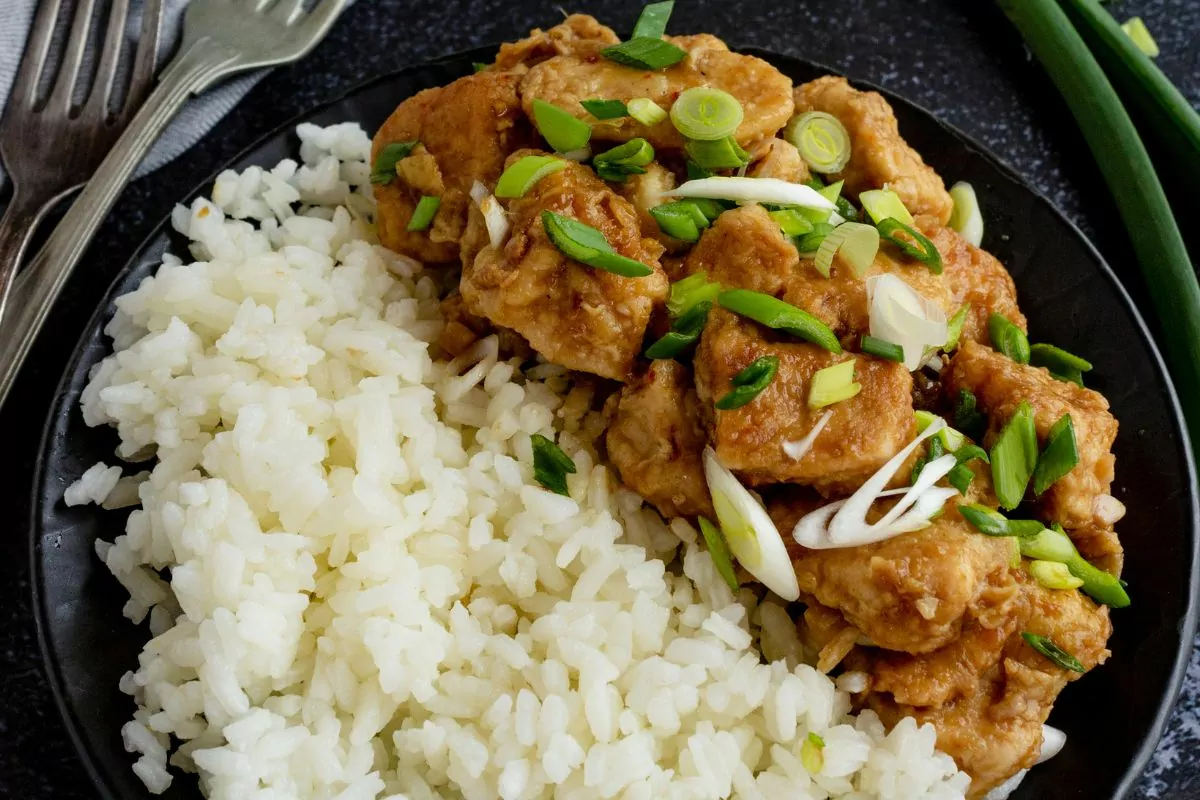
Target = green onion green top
(954,328)
(685,293)
(652,22)
(1008,339)
(1014,456)
(881,348)
(551,465)
(646,111)
(833,384)
(920,248)
(523,174)
(629,158)
(424,213)
(1062,365)
(706,114)
(774,313)
(605,109)
(588,245)
(685,331)
(749,383)
(1059,457)
(991,522)
(384,169)
(718,550)
(561,130)
(1052,651)
(644,53)
(967,416)
(712,155)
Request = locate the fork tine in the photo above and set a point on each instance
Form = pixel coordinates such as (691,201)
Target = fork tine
(323,15)
(110,57)
(68,70)
(37,47)
(147,55)
(288,11)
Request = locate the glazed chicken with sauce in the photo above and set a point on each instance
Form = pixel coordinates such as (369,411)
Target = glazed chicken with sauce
(934,620)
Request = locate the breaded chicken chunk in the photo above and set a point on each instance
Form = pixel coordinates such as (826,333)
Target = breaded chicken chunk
(745,249)
(466,129)
(645,192)
(988,693)
(777,158)
(879,156)
(575,315)
(861,435)
(974,276)
(578,34)
(656,441)
(1001,384)
(910,593)
(764,92)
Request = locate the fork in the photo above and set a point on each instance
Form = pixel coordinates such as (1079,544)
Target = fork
(50,146)
(220,38)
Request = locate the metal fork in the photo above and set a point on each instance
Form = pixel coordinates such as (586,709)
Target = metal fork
(220,38)
(50,146)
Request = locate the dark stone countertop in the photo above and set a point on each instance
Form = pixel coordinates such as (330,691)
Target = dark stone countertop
(958,58)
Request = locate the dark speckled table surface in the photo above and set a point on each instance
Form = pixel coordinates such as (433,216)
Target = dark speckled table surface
(958,58)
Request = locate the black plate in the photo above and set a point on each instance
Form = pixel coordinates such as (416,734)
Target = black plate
(1113,718)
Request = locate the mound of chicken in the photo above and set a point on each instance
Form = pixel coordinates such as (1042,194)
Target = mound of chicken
(800,337)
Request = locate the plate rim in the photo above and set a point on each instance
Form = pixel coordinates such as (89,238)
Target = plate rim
(1191,619)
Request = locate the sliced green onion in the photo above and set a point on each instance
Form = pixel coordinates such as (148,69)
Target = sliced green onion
(1008,338)
(706,114)
(967,416)
(479,66)
(778,315)
(605,109)
(384,169)
(588,245)
(881,348)
(1136,28)
(960,477)
(812,754)
(1062,365)
(722,154)
(920,248)
(954,328)
(1014,456)
(767,191)
(966,218)
(883,204)
(991,522)
(749,382)
(683,334)
(924,419)
(856,243)
(695,172)
(644,53)
(551,465)
(625,159)
(791,221)
(1049,545)
(1052,651)
(833,384)
(935,451)
(646,111)
(831,192)
(685,293)
(718,551)
(562,130)
(424,213)
(680,220)
(969,452)
(522,175)
(952,439)
(1060,456)
(821,139)
(1053,575)
(811,242)
(652,22)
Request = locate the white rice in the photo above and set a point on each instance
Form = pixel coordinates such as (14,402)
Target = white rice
(356,589)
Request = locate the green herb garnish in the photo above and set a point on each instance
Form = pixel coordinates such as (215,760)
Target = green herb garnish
(551,465)
(1052,651)
(588,245)
(749,382)
(778,315)
(384,169)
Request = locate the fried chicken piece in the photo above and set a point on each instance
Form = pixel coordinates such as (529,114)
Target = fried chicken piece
(656,441)
(840,301)
(1099,544)
(879,155)
(575,315)
(991,725)
(745,249)
(909,593)
(466,130)
(862,433)
(764,92)
(578,34)
(645,192)
(777,158)
(1001,384)
(975,276)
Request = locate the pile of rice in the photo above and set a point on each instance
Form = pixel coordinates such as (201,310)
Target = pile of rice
(354,585)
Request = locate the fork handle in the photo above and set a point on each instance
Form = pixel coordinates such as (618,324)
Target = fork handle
(190,72)
(16,230)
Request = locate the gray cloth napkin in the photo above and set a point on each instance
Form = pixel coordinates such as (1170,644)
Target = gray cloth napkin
(196,118)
